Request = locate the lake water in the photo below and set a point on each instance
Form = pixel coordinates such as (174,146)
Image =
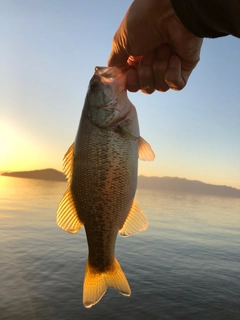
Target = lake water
(185,266)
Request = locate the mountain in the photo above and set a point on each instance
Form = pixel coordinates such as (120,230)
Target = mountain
(184,185)
(45,174)
(155,183)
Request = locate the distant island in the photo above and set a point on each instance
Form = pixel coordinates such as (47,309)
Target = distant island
(156,183)
(45,174)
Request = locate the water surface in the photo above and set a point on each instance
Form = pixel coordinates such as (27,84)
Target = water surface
(185,266)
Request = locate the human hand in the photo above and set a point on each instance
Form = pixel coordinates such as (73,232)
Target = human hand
(161,50)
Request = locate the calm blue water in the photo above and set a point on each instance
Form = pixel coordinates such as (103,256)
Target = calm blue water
(185,266)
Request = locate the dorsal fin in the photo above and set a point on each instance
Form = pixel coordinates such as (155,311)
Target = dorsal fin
(67,217)
(68,162)
(145,151)
(136,221)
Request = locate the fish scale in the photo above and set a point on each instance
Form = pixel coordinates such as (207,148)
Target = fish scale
(101,167)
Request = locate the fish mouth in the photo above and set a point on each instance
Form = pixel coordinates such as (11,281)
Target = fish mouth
(104,75)
(112,72)
(108,75)
(107,72)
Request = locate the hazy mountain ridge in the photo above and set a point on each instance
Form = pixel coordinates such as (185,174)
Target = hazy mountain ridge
(156,183)
(183,185)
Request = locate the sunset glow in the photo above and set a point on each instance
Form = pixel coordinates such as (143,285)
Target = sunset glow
(21,151)
(47,59)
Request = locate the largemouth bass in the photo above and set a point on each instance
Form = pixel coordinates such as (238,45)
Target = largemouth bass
(101,167)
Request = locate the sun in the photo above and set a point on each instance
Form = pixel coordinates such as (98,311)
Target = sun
(17,149)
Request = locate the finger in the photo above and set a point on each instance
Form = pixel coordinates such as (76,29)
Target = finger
(160,65)
(132,77)
(132,84)
(134,61)
(175,78)
(145,74)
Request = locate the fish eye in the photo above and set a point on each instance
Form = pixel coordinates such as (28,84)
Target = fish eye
(93,85)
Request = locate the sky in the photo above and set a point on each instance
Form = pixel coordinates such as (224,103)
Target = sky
(49,50)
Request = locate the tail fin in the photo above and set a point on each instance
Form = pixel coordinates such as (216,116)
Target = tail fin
(96,284)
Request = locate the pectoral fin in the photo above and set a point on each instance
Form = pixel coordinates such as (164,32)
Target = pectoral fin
(67,217)
(136,221)
(145,151)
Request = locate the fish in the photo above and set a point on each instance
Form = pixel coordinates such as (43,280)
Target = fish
(101,167)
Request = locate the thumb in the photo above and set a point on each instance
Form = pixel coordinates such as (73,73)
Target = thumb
(118,56)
